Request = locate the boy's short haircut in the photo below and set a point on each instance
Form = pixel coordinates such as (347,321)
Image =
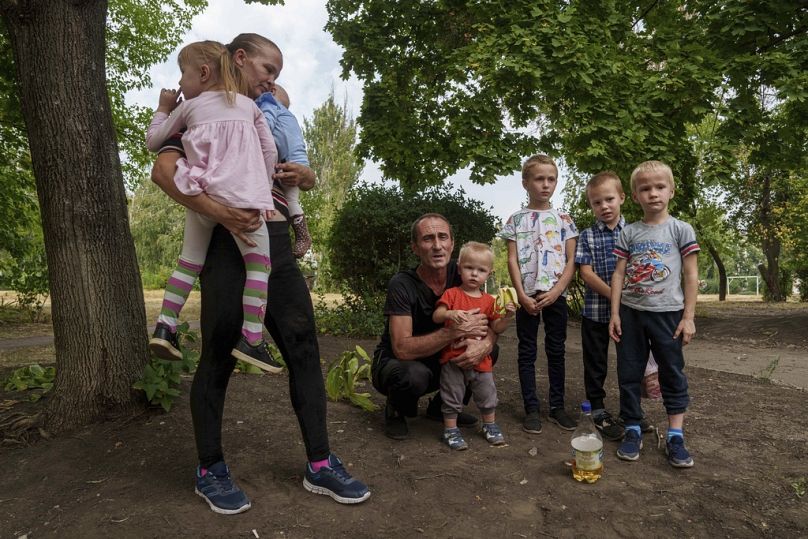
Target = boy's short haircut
(649,166)
(476,248)
(538,159)
(414,229)
(602,177)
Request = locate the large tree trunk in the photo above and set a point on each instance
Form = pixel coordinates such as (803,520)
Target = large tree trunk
(98,316)
(770,244)
(722,271)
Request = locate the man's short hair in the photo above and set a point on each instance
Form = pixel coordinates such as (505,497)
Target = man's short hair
(651,166)
(414,230)
(538,159)
(476,248)
(602,177)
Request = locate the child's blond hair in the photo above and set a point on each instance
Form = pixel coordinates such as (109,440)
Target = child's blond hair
(218,59)
(538,159)
(472,248)
(602,177)
(651,166)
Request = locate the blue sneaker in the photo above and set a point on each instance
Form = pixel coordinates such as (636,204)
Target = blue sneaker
(221,493)
(335,481)
(630,448)
(454,439)
(493,434)
(678,455)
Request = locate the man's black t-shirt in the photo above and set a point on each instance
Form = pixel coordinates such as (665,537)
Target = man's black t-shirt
(408,295)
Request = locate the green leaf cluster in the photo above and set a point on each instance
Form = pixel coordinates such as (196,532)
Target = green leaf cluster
(29,378)
(371,237)
(354,316)
(161,378)
(345,374)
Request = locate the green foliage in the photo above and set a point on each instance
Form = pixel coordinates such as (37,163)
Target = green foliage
(371,237)
(354,316)
(157,224)
(800,486)
(330,137)
(345,374)
(30,281)
(161,378)
(29,378)
(802,275)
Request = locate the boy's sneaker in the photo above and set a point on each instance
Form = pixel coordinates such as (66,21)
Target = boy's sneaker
(395,425)
(560,418)
(532,423)
(454,439)
(215,487)
(258,355)
(493,435)
(335,481)
(630,448)
(164,343)
(608,427)
(678,455)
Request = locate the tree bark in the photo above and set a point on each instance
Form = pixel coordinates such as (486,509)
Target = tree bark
(99,319)
(722,271)
(770,244)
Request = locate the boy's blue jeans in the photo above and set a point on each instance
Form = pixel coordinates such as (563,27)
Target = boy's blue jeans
(643,330)
(555,336)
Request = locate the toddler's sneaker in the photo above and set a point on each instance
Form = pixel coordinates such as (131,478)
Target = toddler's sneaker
(608,427)
(678,455)
(532,423)
(454,439)
(302,236)
(258,355)
(493,435)
(630,448)
(335,481)
(222,494)
(560,418)
(164,343)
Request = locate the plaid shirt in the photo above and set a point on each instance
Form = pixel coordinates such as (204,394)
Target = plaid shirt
(595,246)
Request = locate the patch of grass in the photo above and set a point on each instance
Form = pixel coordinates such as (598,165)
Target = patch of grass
(800,486)
(766,372)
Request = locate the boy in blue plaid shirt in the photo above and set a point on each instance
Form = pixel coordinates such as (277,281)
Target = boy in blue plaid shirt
(596,264)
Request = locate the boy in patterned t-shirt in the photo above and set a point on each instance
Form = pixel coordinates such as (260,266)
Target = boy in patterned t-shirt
(541,249)
(650,310)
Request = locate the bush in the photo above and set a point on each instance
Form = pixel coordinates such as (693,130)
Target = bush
(370,240)
(30,281)
(355,316)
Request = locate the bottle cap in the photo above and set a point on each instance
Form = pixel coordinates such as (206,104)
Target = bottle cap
(586,407)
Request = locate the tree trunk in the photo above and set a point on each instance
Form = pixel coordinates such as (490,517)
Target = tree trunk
(98,316)
(770,244)
(722,271)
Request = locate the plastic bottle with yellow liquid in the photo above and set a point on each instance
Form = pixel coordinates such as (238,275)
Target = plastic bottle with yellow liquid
(587,448)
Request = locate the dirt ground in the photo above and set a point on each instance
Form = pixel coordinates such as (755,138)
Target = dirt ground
(748,436)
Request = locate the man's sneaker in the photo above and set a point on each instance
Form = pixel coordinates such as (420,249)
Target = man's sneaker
(258,355)
(678,455)
(630,448)
(215,487)
(395,425)
(646,425)
(493,435)
(608,427)
(560,418)
(335,481)
(454,439)
(532,423)
(434,412)
(164,343)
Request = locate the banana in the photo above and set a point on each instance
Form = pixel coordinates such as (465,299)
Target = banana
(507,294)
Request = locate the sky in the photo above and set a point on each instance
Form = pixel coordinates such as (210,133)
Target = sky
(311,70)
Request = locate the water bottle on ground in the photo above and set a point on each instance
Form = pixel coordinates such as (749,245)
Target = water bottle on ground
(587,448)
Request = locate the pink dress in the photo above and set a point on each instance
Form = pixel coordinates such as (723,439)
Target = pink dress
(229,150)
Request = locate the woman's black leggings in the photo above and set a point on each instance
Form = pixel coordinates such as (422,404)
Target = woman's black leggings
(290,321)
